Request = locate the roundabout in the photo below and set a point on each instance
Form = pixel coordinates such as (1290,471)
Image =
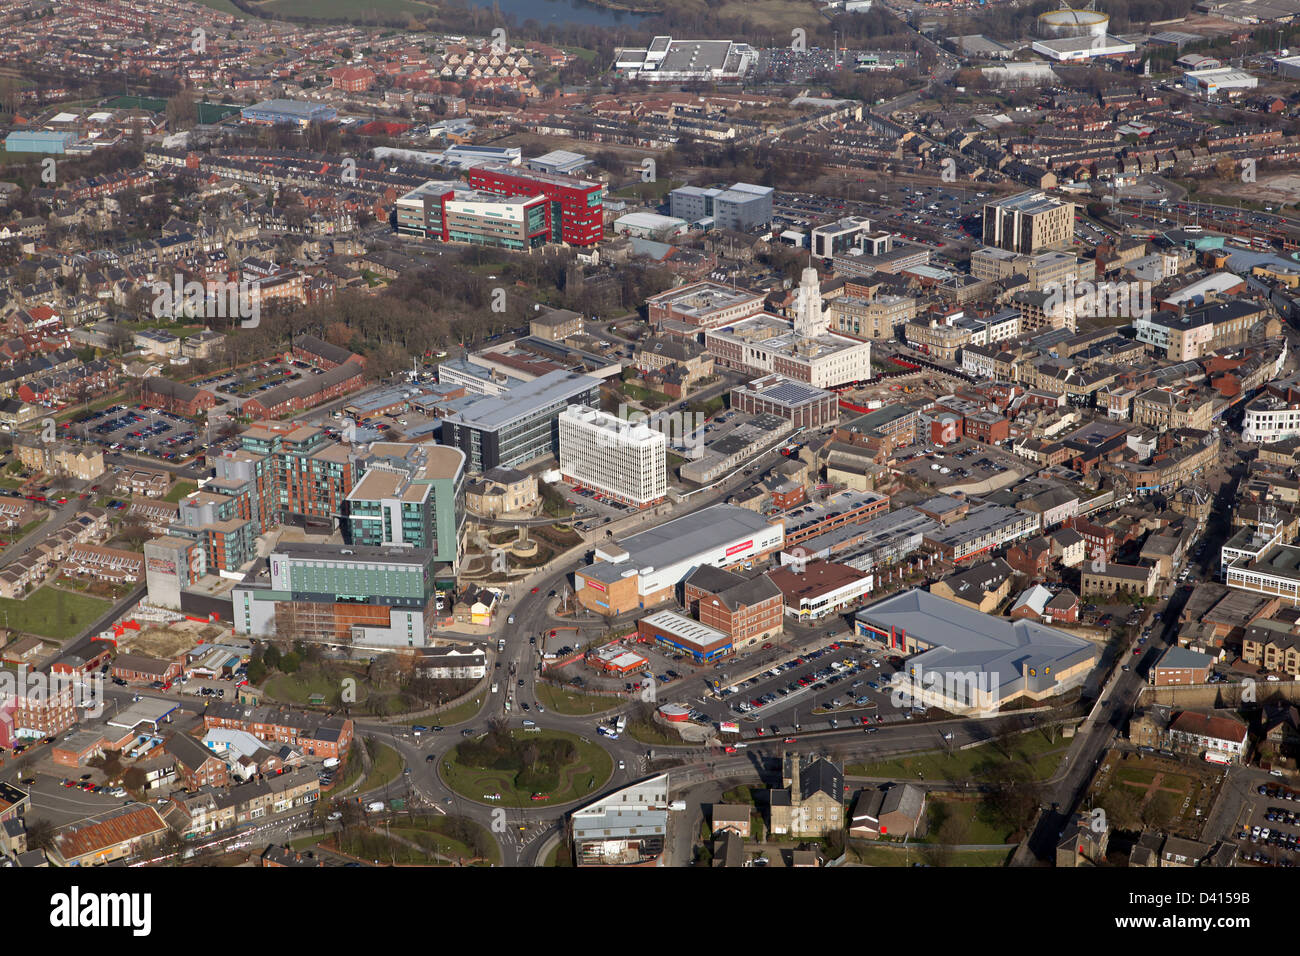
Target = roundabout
(525,768)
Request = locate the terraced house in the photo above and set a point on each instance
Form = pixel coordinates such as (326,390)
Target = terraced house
(1273,645)
(315,735)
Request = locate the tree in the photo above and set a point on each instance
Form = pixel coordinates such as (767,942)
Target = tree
(271,656)
(40,834)
(1011,793)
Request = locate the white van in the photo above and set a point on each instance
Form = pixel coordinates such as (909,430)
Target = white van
(494,687)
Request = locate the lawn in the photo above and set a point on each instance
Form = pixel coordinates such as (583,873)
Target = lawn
(885,855)
(965,824)
(98,405)
(179,490)
(1138,775)
(222,6)
(564,701)
(352,770)
(28,528)
(381,847)
(649,733)
(300,686)
(386,767)
(352,10)
(438,833)
(1030,748)
(434,843)
(591,769)
(739,795)
(645,396)
(456,715)
(649,191)
(51,612)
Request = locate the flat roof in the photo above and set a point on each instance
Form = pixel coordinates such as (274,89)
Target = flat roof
(389,554)
(963,638)
(146,710)
(686,629)
(679,539)
(1030,202)
(495,411)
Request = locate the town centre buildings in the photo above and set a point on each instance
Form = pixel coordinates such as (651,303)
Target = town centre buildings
(967,661)
(644,570)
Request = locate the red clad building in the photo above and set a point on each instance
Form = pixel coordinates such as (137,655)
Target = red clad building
(575,208)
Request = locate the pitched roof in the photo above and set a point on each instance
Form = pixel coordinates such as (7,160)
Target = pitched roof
(130,823)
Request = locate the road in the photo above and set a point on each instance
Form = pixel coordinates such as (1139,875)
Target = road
(1111,711)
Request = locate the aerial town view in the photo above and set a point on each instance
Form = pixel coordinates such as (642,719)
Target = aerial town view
(607,434)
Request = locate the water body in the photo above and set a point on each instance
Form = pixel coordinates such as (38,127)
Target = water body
(561,11)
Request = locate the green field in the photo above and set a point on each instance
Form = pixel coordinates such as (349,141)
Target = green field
(153,105)
(300,686)
(564,701)
(1030,748)
(51,612)
(964,823)
(214,112)
(883,855)
(350,9)
(222,6)
(386,767)
(591,769)
(456,715)
(179,490)
(656,190)
(650,733)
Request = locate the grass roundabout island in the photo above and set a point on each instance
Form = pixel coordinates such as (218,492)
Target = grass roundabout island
(520,768)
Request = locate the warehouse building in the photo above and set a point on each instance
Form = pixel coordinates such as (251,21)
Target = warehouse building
(39,141)
(968,662)
(668,629)
(649,225)
(287,113)
(667,60)
(559,162)
(643,570)
(1218,81)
